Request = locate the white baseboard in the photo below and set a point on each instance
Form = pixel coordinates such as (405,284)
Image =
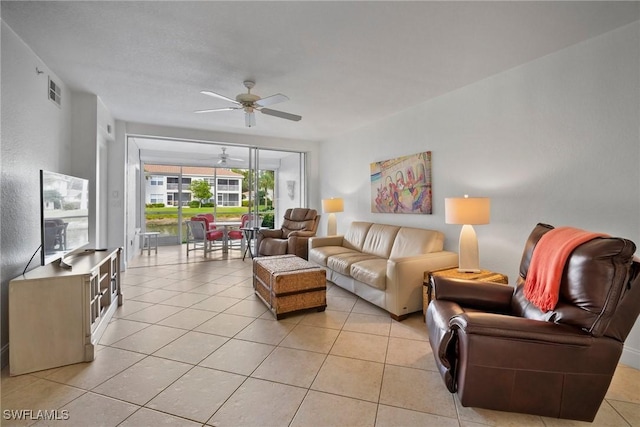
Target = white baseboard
(630,357)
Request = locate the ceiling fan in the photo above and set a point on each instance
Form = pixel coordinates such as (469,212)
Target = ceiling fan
(224,157)
(250,102)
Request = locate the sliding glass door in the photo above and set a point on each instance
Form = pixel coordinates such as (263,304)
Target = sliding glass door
(186,178)
(166,192)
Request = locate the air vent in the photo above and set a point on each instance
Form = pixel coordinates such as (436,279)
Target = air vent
(54,92)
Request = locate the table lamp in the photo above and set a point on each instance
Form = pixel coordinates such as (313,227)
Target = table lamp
(467,211)
(331,206)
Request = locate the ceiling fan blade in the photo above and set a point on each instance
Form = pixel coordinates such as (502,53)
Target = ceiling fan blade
(217,95)
(280,114)
(273,99)
(216,109)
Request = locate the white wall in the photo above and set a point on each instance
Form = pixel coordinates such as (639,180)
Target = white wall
(108,164)
(83,154)
(289,170)
(555,140)
(133,194)
(35,135)
(90,159)
(118,169)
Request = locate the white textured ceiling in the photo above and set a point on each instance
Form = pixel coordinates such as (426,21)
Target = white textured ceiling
(343,64)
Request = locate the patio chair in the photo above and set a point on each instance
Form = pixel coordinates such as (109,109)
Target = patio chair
(210,220)
(199,235)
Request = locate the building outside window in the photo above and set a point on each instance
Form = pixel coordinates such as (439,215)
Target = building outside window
(186,198)
(164,184)
(157,198)
(228,184)
(156,180)
(227,199)
(173,182)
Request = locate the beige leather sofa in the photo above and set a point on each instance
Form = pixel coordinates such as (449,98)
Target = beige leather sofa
(383,264)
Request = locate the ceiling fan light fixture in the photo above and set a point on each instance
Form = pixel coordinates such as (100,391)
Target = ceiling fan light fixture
(223,157)
(250,119)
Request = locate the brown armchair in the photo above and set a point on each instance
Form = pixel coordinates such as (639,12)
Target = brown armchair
(292,238)
(498,351)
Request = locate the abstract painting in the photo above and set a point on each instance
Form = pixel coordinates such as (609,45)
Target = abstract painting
(402,185)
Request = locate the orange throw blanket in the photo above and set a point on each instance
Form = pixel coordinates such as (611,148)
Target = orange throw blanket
(549,257)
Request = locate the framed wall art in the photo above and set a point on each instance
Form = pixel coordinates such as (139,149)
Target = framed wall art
(402,185)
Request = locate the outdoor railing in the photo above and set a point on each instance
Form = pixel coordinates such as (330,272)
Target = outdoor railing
(175,187)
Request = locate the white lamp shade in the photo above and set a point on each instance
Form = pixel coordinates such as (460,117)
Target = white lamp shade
(332,205)
(467,210)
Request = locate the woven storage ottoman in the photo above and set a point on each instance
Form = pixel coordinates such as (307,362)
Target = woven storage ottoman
(287,284)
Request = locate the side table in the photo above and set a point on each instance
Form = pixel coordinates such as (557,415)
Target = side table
(484,275)
(249,234)
(149,241)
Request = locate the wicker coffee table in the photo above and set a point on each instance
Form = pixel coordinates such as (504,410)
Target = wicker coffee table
(288,284)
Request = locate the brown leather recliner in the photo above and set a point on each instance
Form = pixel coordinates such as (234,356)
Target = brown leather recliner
(498,351)
(293,236)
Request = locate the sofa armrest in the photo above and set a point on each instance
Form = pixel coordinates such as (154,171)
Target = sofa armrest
(318,241)
(519,328)
(451,328)
(267,232)
(405,278)
(301,233)
(413,267)
(298,246)
(473,293)
(439,260)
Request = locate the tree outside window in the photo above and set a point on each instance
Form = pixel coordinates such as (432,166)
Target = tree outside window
(265,183)
(200,190)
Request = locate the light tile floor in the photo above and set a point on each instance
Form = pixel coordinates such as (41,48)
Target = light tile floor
(193,346)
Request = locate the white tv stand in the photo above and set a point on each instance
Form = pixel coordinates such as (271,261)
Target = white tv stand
(57,315)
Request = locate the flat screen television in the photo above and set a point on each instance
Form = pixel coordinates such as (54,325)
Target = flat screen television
(64,215)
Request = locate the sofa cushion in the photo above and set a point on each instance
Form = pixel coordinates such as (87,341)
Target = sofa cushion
(380,239)
(354,239)
(341,263)
(320,254)
(373,272)
(416,241)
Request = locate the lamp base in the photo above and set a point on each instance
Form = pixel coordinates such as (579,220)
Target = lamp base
(469,270)
(332,226)
(469,261)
